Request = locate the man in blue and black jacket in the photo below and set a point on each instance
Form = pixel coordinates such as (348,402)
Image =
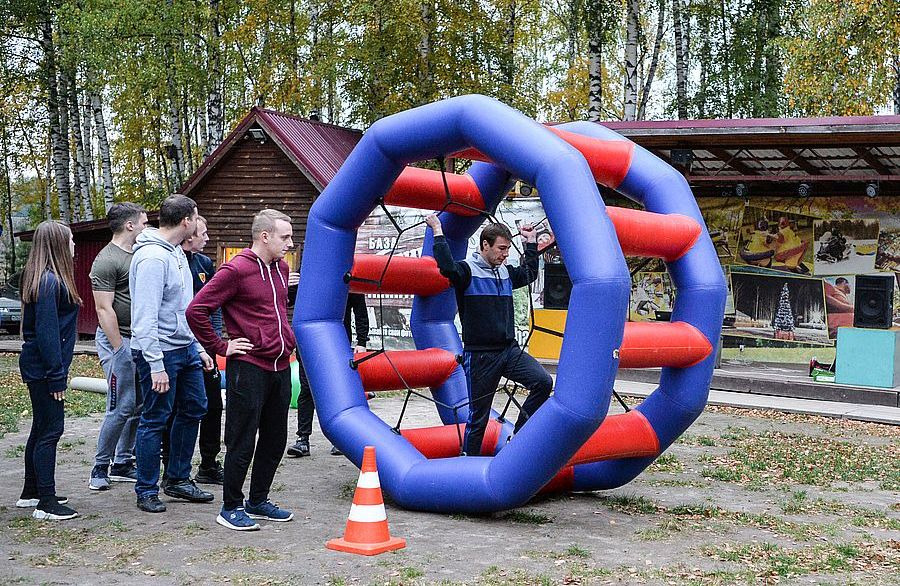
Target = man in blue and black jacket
(484,286)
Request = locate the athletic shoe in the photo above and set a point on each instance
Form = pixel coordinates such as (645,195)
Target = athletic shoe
(267,511)
(99,478)
(53,512)
(123,473)
(335,451)
(151,504)
(236,519)
(300,448)
(29,502)
(187,490)
(212,475)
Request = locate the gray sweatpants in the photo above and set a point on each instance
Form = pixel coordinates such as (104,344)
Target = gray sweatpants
(123,403)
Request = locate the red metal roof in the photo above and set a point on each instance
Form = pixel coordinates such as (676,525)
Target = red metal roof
(317,148)
(320,148)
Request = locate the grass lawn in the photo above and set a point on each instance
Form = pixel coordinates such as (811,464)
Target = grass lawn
(15,403)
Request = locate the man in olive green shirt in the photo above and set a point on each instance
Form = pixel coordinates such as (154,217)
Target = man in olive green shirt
(109,282)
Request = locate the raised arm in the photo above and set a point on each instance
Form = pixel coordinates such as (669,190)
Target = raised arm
(458,273)
(527,271)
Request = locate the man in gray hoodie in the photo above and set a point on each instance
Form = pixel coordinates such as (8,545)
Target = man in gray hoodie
(168,358)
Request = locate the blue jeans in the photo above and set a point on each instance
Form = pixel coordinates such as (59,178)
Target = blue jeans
(187,396)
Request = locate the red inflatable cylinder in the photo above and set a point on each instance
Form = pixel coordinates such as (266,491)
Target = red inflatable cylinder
(419,368)
(609,160)
(424,189)
(405,275)
(676,344)
(443,441)
(626,435)
(666,236)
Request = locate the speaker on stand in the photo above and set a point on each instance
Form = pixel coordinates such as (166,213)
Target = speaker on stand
(557,286)
(874,301)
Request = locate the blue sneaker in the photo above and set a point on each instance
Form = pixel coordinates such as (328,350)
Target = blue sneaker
(236,519)
(268,511)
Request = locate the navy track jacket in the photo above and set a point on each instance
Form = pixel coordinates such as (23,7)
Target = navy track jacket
(484,294)
(48,329)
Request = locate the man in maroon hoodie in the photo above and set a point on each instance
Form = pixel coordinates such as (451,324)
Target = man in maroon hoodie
(251,289)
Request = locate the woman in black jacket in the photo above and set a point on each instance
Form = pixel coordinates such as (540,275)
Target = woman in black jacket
(50,304)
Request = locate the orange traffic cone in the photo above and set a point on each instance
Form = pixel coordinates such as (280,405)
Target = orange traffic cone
(367,528)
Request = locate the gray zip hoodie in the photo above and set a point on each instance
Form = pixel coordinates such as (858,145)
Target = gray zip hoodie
(161,287)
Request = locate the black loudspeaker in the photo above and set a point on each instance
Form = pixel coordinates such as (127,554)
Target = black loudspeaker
(557,286)
(874,303)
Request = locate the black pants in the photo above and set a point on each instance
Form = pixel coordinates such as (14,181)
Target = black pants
(483,373)
(210,437)
(305,405)
(40,450)
(257,401)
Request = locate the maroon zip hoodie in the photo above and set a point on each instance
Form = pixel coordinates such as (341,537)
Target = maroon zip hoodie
(253,298)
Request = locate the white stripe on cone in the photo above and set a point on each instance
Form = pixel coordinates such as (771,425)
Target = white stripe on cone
(368,480)
(367,513)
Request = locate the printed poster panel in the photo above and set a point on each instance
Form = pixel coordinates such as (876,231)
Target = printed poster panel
(845,247)
(839,297)
(776,240)
(777,307)
(887,259)
(652,297)
(723,217)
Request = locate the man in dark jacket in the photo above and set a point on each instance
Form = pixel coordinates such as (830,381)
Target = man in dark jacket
(484,286)
(210,437)
(252,289)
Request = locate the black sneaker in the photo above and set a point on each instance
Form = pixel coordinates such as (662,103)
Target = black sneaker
(28,501)
(212,475)
(335,451)
(123,473)
(151,504)
(53,511)
(187,490)
(300,448)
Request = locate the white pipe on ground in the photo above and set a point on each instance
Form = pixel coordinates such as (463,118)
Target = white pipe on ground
(89,384)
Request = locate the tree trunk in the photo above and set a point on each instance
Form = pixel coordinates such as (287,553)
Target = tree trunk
(595,75)
(426,67)
(680,62)
(74,205)
(58,141)
(187,133)
(83,210)
(897,84)
(103,149)
(632,8)
(10,268)
(726,61)
(214,110)
(177,150)
(87,134)
(508,60)
(315,14)
(654,60)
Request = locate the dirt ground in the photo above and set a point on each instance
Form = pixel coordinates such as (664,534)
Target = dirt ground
(742,498)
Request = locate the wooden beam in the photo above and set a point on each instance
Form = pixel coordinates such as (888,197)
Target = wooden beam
(866,155)
(732,160)
(798,160)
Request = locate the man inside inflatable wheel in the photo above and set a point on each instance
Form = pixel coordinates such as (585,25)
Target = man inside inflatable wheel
(484,286)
